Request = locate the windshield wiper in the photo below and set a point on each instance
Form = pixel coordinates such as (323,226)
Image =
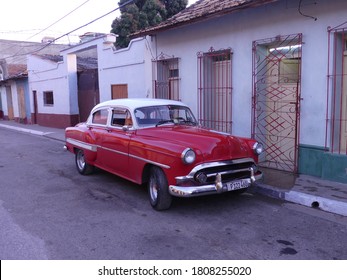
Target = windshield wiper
(188,122)
(164,122)
(176,121)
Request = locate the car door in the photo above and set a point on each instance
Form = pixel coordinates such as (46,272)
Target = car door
(97,128)
(115,143)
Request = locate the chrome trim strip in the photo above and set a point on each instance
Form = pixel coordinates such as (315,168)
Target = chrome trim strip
(94,148)
(82,145)
(113,151)
(151,162)
(136,157)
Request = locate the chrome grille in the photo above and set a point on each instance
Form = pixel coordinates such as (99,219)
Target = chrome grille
(228,172)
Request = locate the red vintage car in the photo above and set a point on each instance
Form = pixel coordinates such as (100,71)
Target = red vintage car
(160,143)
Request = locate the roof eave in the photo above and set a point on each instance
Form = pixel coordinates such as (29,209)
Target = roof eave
(20,76)
(174,25)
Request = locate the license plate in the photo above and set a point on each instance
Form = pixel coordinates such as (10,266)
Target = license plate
(236,185)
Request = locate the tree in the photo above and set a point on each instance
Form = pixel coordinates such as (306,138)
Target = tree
(173,7)
(141,14)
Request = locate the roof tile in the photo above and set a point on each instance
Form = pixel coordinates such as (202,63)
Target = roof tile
(202,10)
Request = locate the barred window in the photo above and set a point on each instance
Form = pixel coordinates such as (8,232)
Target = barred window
(48,99)
(336,140)
(215,89)
(167,79)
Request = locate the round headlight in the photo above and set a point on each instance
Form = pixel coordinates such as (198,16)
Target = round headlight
(258,148)
(188,156)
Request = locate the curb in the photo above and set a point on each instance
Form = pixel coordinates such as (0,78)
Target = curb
(313,201)
(50,135)
(269,191)
(32,131)
(325,204)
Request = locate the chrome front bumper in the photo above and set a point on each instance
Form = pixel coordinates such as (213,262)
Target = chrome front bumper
(217,187)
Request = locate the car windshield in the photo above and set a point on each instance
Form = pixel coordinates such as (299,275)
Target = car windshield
(167,114)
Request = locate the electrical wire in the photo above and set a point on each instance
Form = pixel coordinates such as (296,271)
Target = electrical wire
(21,49)
(304,15)
(59,20)
(68,33)
(82,26)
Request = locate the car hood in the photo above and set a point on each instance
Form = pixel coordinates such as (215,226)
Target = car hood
(212,145)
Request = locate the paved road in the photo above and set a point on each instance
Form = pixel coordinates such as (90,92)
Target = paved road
(49,211)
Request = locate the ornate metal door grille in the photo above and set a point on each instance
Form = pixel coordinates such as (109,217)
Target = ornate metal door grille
(214,89)
(276,99)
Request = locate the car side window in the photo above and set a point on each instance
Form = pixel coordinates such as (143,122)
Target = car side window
(121,117)
(100,117)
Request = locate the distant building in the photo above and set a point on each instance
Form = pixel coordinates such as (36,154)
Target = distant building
(14,89)
(63,89)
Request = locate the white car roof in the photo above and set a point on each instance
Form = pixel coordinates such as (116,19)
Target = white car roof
(133,103)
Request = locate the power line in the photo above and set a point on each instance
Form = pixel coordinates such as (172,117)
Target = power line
(59,19)
(50,26)
(68,33)
(82,26)
(18,31)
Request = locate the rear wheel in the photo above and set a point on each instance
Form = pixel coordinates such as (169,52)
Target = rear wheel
(83,167)
(158,190)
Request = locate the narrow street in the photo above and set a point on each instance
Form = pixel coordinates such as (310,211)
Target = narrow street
(49,211)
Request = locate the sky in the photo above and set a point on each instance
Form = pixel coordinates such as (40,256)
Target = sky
(31,20)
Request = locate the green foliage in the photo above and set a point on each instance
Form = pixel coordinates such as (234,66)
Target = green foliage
(141,14)
(173,7)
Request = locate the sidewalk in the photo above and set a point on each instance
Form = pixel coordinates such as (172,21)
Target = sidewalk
(301,189)
(306,190)
(49,132)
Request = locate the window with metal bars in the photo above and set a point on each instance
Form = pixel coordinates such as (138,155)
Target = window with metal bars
(215,89)
(336,140)
(167,82)
(48,99)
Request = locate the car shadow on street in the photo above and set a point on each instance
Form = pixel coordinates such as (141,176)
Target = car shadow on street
(114,188)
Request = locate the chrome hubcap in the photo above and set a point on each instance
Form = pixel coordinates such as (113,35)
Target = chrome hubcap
(80,160)
(153,191)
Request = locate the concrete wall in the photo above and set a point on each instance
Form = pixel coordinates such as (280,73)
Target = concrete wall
(131,66)
(46,75)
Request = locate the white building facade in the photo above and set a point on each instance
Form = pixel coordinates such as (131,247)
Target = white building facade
(273,70)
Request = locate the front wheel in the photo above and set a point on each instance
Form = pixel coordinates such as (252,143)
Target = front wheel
(158,190)
(83,167)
